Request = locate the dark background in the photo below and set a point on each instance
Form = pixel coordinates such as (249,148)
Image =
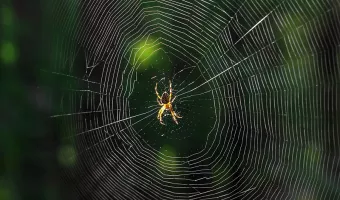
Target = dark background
(36,159)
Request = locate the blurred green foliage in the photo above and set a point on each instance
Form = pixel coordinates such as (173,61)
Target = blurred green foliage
(8,53)
(34,157)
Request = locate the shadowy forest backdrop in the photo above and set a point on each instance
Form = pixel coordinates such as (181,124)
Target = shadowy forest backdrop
(256,85)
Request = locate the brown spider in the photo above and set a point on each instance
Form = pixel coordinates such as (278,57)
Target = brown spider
(165,101)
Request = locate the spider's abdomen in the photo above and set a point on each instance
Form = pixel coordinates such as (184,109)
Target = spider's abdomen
(165,98)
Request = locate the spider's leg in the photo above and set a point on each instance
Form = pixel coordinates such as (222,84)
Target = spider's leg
(176,115)
(173,114)
(160,113)
(159,103)
(157,92)
(173,99)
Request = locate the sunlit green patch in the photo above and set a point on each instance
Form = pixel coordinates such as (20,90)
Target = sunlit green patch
(8,52)
(292,33)
(5,192)
(67,156)
(167,160)
(6,16)
(145,53)
(312,155)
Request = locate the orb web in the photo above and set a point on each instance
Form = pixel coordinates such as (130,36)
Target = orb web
(256,84)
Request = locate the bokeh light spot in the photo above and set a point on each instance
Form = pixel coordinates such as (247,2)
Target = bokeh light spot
(8,52)
(67,156)
(167,150)
(5,193)
(312,155)
(145,53)
(167,160)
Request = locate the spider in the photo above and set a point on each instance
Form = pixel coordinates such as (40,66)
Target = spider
(165,101)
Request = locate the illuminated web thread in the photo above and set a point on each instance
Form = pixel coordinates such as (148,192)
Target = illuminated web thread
(272,72)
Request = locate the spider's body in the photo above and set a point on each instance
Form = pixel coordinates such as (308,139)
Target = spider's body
(166,102)
(165,98)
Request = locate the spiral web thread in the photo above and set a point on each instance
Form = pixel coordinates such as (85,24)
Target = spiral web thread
(267,69)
